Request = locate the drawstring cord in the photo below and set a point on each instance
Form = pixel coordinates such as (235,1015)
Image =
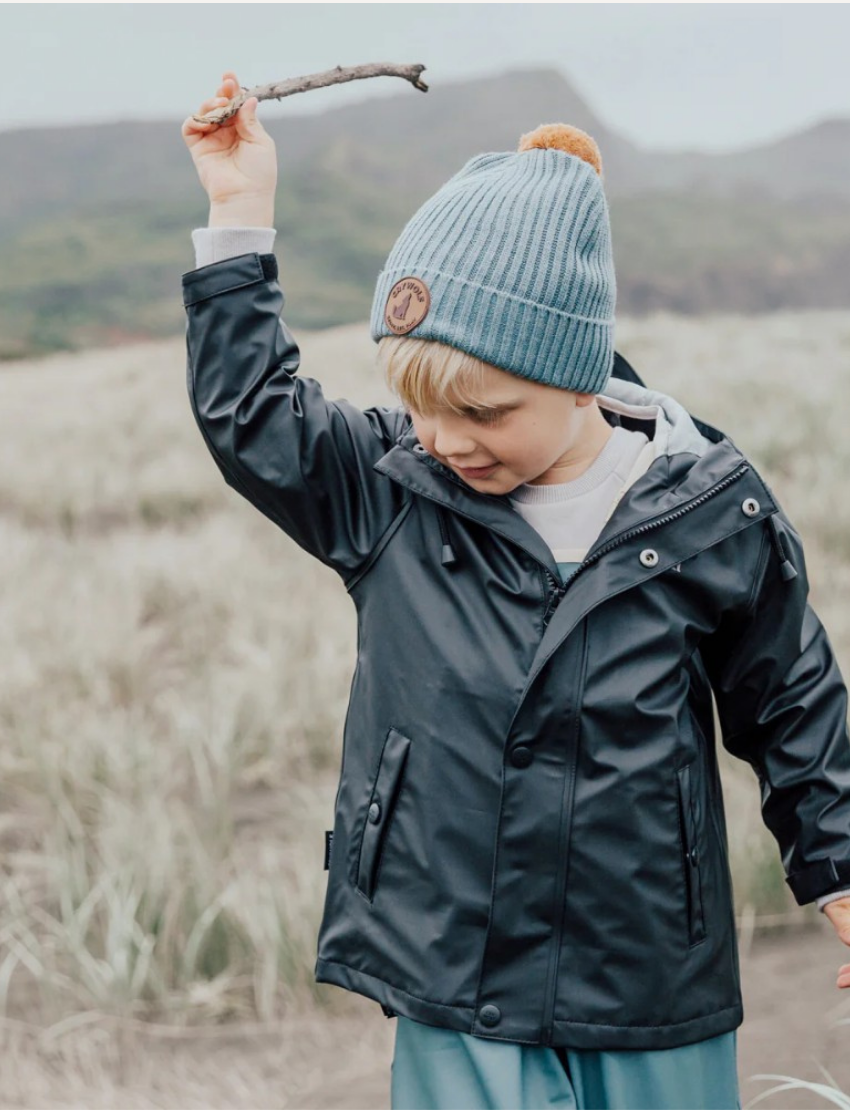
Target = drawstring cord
(448,555)
(786,567)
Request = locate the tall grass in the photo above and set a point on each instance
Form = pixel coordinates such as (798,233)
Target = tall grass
(830,1092)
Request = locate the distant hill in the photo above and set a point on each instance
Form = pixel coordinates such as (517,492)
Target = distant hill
(95,221)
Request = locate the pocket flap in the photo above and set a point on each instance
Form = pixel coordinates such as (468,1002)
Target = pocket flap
(381,804)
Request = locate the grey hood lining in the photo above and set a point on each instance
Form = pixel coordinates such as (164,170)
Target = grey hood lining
(675,431)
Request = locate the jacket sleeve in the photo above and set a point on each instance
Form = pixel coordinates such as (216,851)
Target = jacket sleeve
(302,460)
(782,706)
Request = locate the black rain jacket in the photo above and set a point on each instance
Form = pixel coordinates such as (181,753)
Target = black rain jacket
(529,840)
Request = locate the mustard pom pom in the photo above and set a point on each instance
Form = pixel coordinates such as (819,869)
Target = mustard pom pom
(563,136)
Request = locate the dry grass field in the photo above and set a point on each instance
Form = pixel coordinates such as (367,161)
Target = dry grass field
(175,680)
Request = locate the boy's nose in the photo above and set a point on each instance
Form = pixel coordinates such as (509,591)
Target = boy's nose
(454,445)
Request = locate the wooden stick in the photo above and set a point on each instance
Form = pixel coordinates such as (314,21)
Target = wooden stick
(278,89)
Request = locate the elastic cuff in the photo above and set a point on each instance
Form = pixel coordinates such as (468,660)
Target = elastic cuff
(832,898)
(229,274)
(819,878)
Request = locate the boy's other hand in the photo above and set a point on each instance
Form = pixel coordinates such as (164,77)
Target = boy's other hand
(236,160)
(838,913)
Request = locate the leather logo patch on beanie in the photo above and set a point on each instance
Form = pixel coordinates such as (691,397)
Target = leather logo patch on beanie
(407,305)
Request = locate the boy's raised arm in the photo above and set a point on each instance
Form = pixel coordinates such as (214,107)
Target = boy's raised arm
(782,704)
(304,461)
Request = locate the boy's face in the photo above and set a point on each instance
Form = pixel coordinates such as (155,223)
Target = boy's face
(538,434)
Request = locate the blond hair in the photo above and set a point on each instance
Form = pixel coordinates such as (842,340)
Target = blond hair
(426,375)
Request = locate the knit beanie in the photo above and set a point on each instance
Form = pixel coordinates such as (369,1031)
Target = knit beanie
(511,261)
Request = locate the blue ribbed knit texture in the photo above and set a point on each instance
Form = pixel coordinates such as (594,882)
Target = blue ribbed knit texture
(515,250)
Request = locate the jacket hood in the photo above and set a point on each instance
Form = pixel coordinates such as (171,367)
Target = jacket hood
(675,431)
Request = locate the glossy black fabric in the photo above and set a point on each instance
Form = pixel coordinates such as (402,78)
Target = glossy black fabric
(529,840)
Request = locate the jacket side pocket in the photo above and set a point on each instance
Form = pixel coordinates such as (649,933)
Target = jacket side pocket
(382,802)
(689,845)
(714,796)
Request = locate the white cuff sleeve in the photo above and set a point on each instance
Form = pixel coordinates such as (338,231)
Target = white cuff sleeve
(214,244)
(822,901)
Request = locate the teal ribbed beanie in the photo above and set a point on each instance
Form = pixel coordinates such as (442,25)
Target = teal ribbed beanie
(511,261)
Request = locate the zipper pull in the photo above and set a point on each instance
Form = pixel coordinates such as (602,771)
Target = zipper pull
(559,587)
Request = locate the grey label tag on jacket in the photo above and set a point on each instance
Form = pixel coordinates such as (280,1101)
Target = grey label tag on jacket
(329,836)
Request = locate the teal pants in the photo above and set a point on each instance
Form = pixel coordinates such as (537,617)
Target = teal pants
(441,1069)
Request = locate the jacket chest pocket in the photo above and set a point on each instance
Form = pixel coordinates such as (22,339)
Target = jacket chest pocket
(690,851)
(382,801)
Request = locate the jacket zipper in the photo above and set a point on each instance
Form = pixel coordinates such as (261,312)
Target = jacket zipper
(554,592)
(559,591)
(690,852)
(564,832)
(554,597)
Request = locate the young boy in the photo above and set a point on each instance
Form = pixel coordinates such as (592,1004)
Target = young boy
(553,571)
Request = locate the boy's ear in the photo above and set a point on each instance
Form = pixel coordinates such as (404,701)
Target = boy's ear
(583,399)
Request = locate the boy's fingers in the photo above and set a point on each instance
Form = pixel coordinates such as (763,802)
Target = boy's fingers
(246,118)
(208,107)
(192,130)
(229,85)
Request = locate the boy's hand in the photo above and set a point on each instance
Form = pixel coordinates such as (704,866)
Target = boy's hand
(236,160)
(838,913)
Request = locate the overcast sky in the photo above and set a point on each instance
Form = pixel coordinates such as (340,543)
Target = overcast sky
(699,76)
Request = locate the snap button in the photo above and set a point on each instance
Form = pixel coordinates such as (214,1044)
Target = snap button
(490,1015)
(649,557)
(521,756)
(751,506)
(374,813)
(419,449)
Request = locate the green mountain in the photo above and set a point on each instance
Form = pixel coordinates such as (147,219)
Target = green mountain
(95,221)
